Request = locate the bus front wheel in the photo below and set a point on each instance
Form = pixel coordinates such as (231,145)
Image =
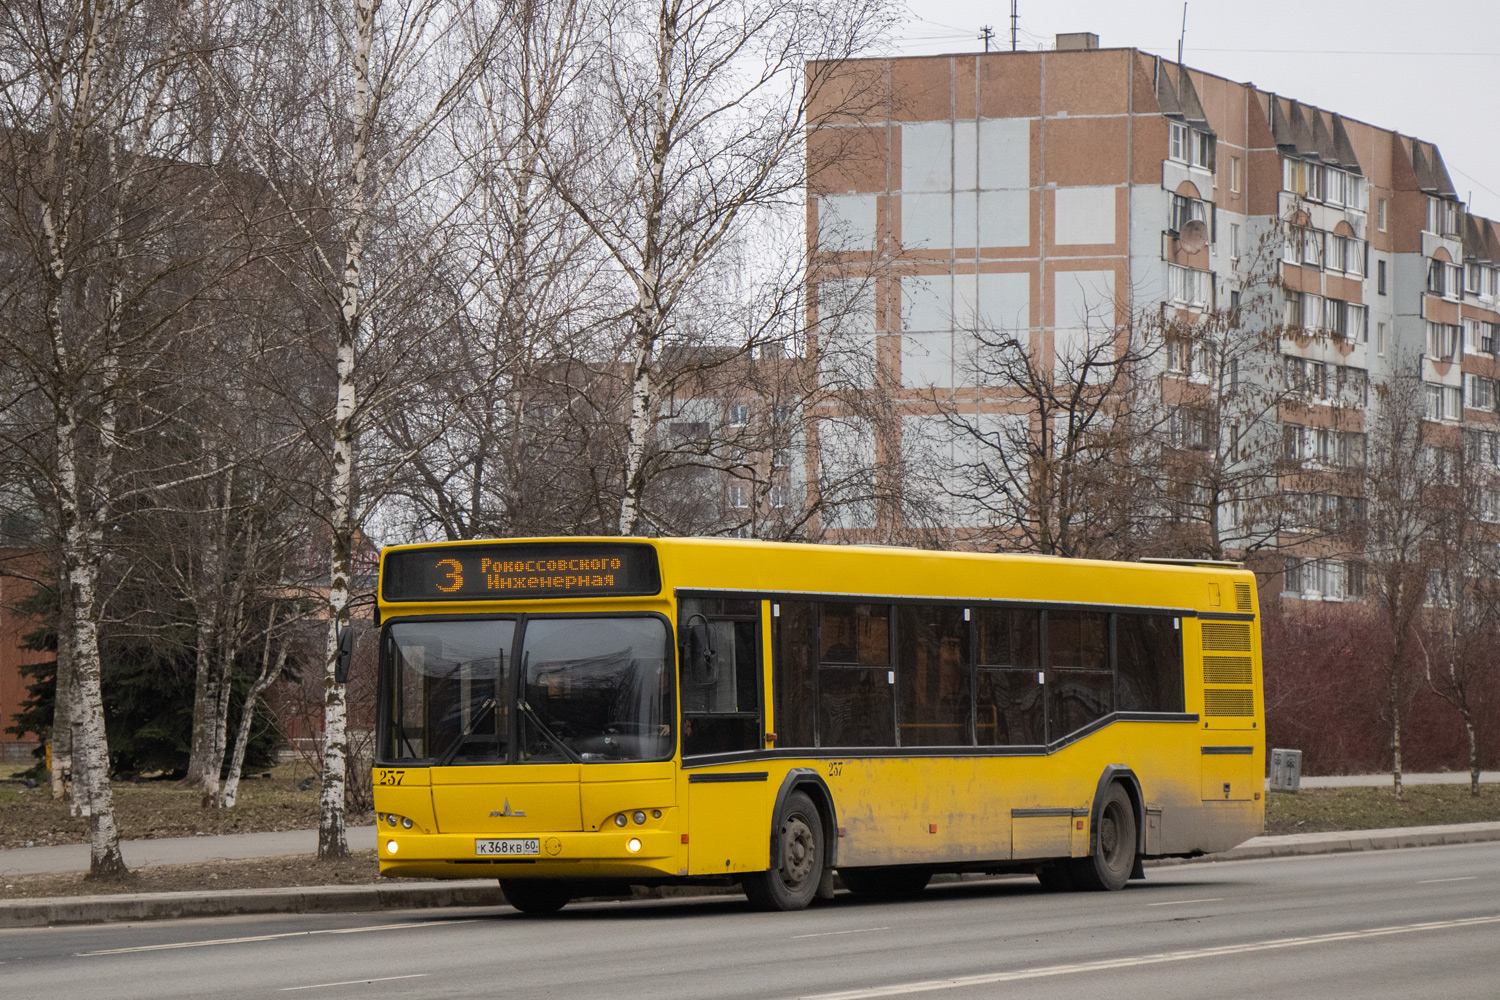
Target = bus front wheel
(794,882)
(535,896)
(1112,859)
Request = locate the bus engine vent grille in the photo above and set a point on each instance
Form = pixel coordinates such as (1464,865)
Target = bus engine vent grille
(1226,637)
(1228,701)
(1226,670)
(1242,596)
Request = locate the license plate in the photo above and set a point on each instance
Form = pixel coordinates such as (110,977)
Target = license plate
(516,846)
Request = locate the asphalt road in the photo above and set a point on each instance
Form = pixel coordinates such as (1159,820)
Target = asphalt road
(1414,923)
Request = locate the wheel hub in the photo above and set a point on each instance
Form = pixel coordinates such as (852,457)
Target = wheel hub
(797,849)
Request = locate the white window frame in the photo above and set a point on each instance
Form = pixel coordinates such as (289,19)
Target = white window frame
(1177,142)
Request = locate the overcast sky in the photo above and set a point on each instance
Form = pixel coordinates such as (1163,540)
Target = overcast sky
(1429,68)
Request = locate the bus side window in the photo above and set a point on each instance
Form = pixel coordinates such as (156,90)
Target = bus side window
(1149,656)
(720,675)
(1080,683)
(792,635)
(856,690)
(1009,700)
(933,672)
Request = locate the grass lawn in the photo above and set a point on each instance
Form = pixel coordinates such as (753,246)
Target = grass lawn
(268,801)
(1315,810)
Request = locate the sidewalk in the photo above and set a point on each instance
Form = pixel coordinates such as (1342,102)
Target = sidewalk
(1372,780)
(178,850)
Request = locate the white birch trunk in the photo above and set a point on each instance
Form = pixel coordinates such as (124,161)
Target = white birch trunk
(90,750)
(269,672)
(62,702)
(332,842)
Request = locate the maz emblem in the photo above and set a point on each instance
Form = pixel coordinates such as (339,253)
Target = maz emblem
(507,811)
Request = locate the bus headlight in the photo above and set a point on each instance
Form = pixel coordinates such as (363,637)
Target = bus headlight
(639,817)
(633,845)
(406,822)
(620,819)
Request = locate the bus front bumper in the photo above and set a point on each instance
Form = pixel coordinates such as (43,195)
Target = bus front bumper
(605,854)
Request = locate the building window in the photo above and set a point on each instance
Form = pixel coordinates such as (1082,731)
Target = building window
(1442,216)
(1186,145)
(1189,287)
(1234,174)
(1380,214)
(778,496)
(1191,428)
(1487,332)
(1234,239)
(1481,393)
(1185,210)
(739,415)
(739,497)
(1444,402)
(1323,579)
(1323,447)
(1380,277)
(1443,341)
(1472,278)
(1437,277)
(1380,339)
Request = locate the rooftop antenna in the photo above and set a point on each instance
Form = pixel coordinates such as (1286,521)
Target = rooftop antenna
(1183,37)
(985,34)
(1013,18)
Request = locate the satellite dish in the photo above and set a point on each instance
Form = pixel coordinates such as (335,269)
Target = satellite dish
(1193,237)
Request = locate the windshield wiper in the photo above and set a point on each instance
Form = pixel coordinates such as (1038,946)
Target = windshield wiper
(536,720)
(490,704)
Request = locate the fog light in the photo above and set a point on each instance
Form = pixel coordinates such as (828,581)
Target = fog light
(390,845)
(405,822)
(620,820)
(639,817)
(633,845)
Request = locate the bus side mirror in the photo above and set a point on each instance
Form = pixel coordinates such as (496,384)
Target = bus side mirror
(345,655)
(703,666)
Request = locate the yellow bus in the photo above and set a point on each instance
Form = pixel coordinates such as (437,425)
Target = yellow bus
(577,716)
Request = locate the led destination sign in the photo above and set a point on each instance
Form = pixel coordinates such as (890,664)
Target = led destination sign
(520,572)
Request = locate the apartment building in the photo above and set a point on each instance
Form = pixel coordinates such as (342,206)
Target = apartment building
(1062,196)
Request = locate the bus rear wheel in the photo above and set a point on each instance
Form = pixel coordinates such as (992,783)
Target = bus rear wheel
(1110,863)
(794,882)
(535,896)
(886,883)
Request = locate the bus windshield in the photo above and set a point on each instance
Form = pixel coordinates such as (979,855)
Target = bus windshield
(587,690)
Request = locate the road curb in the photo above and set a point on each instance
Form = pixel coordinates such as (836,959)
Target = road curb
(1292,845)
(424,895)
(235,902)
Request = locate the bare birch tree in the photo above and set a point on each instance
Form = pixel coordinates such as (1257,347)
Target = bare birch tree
(700,126)
(99,151)
(1400,476)
(342,104)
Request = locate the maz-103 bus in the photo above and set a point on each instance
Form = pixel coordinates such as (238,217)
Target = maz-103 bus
(576,716)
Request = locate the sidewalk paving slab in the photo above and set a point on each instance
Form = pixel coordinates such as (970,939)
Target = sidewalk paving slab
(486,892)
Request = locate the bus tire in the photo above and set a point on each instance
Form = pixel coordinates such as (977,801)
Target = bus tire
(1113,857)
(535,896)
(794,882)
(885,883)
